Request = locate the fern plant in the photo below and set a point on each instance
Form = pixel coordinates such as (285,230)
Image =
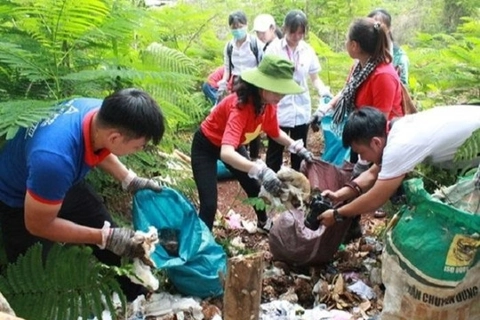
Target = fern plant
(470,148)
(69,284)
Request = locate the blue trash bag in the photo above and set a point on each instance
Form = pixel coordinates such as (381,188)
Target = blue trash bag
(222,172)
(333,150)
(195,265)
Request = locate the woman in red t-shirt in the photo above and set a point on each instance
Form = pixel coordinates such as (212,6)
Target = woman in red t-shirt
(234,122)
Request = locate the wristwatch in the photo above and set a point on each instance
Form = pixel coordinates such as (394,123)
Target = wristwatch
(337,216)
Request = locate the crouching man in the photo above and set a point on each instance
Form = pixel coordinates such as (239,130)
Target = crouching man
(43,197)
(395,149)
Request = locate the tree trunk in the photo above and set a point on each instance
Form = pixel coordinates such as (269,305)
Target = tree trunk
(243,287)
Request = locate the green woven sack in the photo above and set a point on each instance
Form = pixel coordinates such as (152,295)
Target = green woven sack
(435,243)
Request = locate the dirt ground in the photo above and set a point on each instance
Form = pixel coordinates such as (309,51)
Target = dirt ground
(296,284)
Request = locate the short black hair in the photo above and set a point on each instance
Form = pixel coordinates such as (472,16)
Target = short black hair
(362,125)
(294,20)
(237,17)
(134,113)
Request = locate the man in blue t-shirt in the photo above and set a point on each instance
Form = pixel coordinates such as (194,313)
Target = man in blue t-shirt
(43,196)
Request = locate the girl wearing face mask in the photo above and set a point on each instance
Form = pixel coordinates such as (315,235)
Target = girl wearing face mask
(294,110)
(240,57)
(232,124)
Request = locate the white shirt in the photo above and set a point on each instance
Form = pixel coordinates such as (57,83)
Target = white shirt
(431,136)
(295,110)
(242,57)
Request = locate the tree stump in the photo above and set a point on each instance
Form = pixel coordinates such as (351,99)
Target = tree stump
(243,287)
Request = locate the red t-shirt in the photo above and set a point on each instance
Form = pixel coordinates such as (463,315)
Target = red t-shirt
(216,76)
(382,90)
(231,125)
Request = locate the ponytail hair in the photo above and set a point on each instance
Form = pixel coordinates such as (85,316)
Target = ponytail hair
(383,16)
(372,36)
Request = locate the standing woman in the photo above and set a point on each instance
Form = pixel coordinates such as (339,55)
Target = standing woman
(373,81)
(241,53)
(266,29)
(236,120)
(294,110)
(400,59)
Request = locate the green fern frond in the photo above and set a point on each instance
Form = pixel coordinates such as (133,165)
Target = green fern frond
(70,283)
(470,148)
(168,59)
(22,114)
(52,22)
(29,64)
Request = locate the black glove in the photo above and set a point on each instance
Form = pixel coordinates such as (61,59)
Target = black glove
(305,155)
(122,242)
(315,120)
(270,181)
(143,183)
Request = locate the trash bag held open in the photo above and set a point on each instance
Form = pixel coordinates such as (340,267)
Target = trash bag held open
(194,262)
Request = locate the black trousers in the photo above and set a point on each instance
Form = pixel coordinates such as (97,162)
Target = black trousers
(274,157)
(254,148)
(83,206)
(204,165)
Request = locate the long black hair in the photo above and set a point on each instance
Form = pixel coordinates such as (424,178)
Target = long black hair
(294,20)
(372,37)
(247,92)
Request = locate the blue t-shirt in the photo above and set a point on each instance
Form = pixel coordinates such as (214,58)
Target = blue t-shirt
(49,157)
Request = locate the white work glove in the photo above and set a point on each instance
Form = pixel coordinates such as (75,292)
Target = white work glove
(222,90)
(133,183)
(267,177)
(122,242)
(322,109)
(297,148)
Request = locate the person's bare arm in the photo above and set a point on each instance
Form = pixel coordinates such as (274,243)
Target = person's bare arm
(113,166)
(235,159)
(319,86)
(377,196)
(365,181)
(283,139)
(368,202)
(41,220)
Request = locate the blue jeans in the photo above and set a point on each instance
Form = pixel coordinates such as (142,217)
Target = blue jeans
(209,92)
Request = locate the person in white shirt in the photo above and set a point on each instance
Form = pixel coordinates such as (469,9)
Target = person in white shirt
(395,148)
(294,110)
(266,29)
(238,54)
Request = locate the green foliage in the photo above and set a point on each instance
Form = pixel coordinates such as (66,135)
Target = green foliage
(434,177)
(21,114)
(470,148)
(445,66)
(69,284)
